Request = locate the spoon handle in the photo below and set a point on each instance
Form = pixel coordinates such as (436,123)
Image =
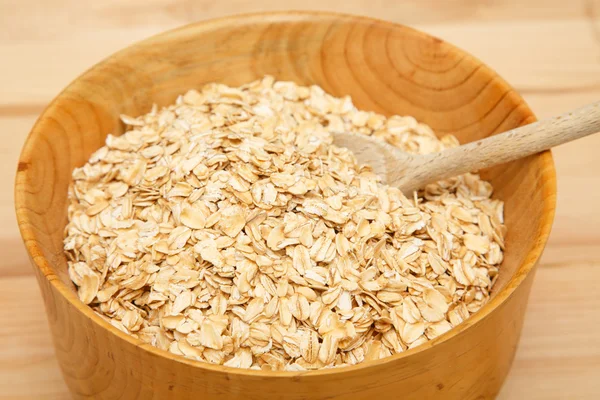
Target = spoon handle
(504,147)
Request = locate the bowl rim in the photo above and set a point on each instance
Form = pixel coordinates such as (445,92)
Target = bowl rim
(547,175)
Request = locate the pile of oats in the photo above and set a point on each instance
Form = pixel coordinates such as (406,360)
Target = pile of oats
(228,229)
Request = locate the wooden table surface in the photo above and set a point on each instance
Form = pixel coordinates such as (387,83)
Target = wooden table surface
(549,50)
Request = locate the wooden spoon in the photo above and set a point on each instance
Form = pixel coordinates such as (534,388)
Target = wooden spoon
(410,172)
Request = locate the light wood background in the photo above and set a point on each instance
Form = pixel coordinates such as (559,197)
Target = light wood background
(548,49)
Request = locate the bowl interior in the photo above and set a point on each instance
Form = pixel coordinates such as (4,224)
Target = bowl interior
(386,68)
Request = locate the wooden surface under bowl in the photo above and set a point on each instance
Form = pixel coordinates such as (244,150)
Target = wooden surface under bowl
(386,68)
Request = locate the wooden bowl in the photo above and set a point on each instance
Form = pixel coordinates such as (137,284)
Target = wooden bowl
(386,68)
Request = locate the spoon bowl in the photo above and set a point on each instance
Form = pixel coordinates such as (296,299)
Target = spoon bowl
(392,165)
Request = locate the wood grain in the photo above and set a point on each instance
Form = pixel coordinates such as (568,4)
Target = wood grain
(561,74)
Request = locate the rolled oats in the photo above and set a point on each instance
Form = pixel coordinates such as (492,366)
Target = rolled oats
(228,228)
